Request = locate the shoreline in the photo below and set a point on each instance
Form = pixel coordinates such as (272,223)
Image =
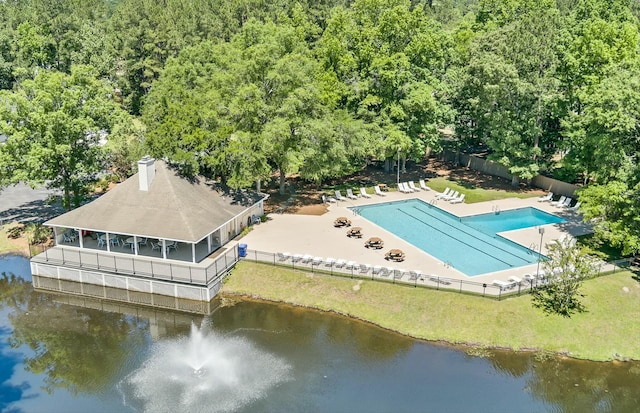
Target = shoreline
(434,319)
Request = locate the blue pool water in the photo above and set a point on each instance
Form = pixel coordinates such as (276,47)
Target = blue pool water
(469,244)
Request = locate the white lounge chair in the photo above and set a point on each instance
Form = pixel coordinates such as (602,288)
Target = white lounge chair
(328,200)
(283,256)
(403,188)
(399,273)
(451,196)
(504,285)
(364,268)
(559,201)
(296,257)
(329,262)
(364,193)
(378,191)
(515,279)
(444,193)
(413,187)
(408,188)
(566,203)
(306,258)
(376,269)
(575,207)
(414,275)
(316,261)
(547,197)
(350,194)
(340,263)
(457,200)
(423,185)
(351,264)
(339,196)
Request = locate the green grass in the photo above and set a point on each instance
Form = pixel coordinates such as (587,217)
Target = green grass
(473,193)
(6,246)
(608,330)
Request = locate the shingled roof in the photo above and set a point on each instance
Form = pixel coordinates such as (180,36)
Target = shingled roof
(173,208)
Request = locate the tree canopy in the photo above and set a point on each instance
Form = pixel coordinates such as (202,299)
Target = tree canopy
(240,90)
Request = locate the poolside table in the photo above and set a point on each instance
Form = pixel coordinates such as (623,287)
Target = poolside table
(355,232)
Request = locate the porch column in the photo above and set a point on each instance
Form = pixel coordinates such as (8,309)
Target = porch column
(106,237)
(55,235)
(80,238)
(193,252)
(209,242)
(164,249)
(135,245)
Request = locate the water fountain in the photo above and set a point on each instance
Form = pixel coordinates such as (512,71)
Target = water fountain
(203,372)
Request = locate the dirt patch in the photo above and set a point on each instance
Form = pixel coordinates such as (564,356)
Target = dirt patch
(305,198)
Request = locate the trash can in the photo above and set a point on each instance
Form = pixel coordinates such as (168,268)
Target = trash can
(242,250)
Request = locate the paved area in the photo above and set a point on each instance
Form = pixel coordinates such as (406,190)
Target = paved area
(316,235)
(23,204)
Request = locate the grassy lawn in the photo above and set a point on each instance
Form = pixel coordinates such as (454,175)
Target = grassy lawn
(10,246)
(609,330)
(475,193)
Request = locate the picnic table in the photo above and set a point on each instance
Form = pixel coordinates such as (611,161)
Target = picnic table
(355,232)
(374,242)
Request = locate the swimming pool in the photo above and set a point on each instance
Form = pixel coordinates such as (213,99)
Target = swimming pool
(469,244)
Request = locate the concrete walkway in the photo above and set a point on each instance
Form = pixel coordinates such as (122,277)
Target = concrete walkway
(316,235)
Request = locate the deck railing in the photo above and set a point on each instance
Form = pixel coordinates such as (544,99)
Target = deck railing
(141,266)
(408,278)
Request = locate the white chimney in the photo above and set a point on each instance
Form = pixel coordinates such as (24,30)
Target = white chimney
(146,172)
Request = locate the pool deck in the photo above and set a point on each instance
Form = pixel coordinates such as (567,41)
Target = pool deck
(316,235)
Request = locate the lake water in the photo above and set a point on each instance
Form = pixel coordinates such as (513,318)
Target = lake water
(68,358)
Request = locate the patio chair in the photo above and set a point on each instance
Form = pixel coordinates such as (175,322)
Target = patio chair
(560,201)
(350,194)
(326,200)
(415,275)
(339,196)
(444,193)
(156,246)
(547,197)
(457,200)
(423,185)
(504,285)
(114,241)
(404,187)
(143,241)
(101,241)
(173,245)
(451,196)
(575,207)
(364,193)
(378,191)
(67,237)
(413,187)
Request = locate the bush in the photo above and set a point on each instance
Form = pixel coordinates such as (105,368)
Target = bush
(15,232)
(38,234)
(263,218)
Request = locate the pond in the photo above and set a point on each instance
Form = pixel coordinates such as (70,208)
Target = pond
(261,357)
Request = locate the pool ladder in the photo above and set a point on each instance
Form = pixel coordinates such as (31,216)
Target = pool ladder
(495,209)
(434,201)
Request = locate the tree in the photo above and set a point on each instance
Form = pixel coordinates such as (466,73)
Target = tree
(54,123)
(390,60)
(568,266)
